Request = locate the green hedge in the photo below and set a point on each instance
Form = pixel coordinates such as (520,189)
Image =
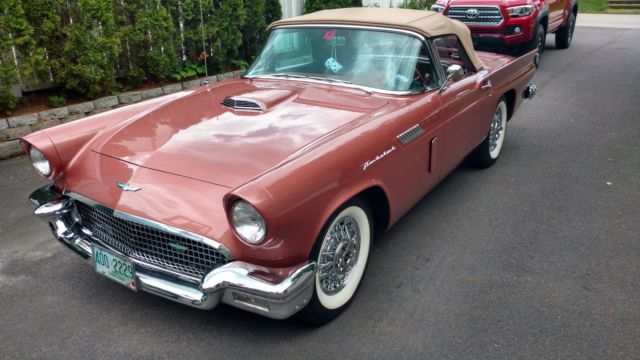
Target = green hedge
(84,45)
(315,5)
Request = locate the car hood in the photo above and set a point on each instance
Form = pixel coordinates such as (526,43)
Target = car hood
(197,137)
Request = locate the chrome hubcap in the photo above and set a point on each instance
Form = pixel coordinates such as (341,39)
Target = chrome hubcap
(339,255)
(496,129)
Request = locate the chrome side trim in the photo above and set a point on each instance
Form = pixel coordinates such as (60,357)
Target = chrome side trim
(411,134)
(154,224)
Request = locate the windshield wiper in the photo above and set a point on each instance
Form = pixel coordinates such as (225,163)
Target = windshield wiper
(331,80)
(280,75)
(319,78)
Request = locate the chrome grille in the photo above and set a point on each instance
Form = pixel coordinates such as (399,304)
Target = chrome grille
(150,245)
(241,104)
(476,15)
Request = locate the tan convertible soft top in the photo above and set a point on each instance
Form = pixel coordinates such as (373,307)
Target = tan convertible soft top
(427,23)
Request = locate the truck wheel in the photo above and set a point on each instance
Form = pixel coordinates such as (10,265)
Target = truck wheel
(341,252)
(488,151)
(565,33)
(537,42)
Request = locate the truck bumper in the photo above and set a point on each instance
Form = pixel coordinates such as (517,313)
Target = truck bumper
(275,293)
(513,32)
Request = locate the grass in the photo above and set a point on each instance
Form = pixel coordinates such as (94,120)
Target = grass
(592,6)
(600,6)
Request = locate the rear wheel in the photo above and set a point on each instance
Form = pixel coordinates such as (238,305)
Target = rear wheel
(342,253)
(488,151)
(564,35)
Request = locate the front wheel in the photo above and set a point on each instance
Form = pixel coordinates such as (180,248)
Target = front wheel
(564,35)
(341,252)
(538,42)
(488,151)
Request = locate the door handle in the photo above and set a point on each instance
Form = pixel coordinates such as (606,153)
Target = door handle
(487,85)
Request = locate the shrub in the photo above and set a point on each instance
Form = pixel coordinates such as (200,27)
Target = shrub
(272,11)
(57,101)
(88,62)
(417,4)
(7,102)
(253,31)
(316,5)
(187,71)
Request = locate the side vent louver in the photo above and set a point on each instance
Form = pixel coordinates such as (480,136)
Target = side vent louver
(411,134)
(241,104)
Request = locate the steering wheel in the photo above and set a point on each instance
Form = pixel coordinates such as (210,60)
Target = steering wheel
(417,75)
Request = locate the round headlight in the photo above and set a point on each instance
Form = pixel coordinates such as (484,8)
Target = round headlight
(247,222)
(40,163)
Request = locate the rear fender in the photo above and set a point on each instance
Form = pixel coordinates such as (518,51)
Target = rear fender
(512,75)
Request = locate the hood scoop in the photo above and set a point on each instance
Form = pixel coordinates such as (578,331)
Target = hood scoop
(242,104)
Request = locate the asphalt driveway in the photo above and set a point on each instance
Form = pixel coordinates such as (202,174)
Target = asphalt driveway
(537,257)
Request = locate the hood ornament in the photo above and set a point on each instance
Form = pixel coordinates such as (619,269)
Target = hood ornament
(127,187)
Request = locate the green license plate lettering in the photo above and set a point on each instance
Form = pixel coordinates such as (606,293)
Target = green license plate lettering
(114,267)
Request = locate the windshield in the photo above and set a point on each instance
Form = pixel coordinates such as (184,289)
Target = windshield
(376,59)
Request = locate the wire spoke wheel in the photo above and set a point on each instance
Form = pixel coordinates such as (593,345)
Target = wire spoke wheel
(339,254)
(496,132)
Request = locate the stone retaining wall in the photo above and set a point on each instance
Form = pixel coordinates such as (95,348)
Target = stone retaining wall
(13,128)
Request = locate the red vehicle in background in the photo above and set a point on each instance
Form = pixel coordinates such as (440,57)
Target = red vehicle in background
(514,26)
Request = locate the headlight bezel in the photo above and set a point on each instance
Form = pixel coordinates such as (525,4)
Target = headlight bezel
(40,162)
(520,11)
(437,8)
(242,215)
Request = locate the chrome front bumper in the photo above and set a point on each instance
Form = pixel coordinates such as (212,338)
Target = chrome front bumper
(262,290)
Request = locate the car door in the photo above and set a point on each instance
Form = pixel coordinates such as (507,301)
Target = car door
(418,132)
(466,106)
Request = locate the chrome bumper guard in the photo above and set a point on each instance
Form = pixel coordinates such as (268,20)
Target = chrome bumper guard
(254,288)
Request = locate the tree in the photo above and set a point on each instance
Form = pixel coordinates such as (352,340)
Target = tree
(272,11)
(16,49)
(316,5)
(253,31)
(88,62)
(229,17)
(417,4)
(44,17)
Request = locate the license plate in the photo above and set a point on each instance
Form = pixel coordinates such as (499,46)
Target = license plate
(114,267)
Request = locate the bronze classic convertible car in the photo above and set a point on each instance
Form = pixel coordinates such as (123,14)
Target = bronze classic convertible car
(265,192)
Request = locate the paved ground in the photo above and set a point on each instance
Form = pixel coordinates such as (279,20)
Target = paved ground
(535,258)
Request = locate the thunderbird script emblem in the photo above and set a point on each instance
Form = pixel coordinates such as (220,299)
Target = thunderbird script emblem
(127,187)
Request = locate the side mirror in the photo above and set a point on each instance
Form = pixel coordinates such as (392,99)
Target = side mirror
(454,73)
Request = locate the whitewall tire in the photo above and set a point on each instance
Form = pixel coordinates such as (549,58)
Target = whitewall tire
(489,150)
(341,253)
